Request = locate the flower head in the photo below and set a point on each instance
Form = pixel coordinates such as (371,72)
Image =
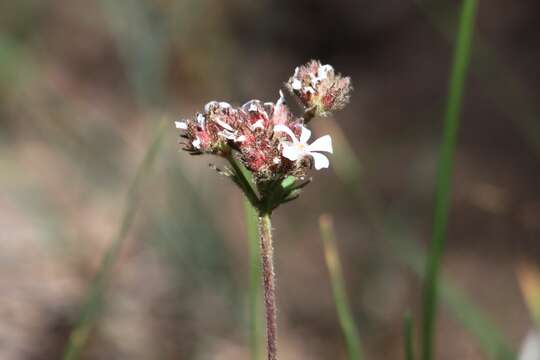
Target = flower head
(319,88)
(298,149)
(267,138)
(213,130)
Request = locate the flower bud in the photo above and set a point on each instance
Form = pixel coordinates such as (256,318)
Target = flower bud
(211,131)
(319,89)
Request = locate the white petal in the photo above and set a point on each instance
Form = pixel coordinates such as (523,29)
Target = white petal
(287,130)
(182,125)
(224,105)
(281,99)
(224,125)
(241,138)
(208,105)
(320,161)
(200,119)
(530,348)
(268,106)
(324,143)
(305,135)
(324,71)
(291,152)
(196,143)
(258,124)
(296,84)
(253,107)
(227,134)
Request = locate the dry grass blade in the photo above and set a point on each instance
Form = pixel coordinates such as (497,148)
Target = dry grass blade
(529,281)
(333,263)
(92,306)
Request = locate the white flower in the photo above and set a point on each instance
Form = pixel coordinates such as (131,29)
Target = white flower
(253,107)
(298,149)
(224,125)
(224,105)
(296,84)
(228,132)
(232,135)
(259,124)
(182,125)
(201,119)
(323,73)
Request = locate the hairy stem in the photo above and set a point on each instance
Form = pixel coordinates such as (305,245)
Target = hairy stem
(267,253)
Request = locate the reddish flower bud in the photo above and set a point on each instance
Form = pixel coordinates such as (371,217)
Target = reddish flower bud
(319,89)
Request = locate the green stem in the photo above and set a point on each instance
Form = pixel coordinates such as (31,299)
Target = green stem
(241,178)
(409,347)
(267,254)
(451,124)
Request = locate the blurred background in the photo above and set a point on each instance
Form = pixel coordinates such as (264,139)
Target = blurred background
(83,87)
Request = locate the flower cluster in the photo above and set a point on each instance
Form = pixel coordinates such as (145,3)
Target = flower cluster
(266,137)
(319,89)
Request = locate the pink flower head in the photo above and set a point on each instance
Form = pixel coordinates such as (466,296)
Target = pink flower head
(319,88)
(265,136)
(257,114)
(212,130)
(260,150)
(281,115)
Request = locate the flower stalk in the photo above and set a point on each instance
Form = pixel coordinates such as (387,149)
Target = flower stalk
(269,282)
(268,153)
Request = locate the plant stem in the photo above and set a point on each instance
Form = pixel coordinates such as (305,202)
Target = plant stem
(444,176)
(267,253)
(241,178)
(408,332)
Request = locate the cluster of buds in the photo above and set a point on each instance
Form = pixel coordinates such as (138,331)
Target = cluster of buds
(319,88)
(266,137)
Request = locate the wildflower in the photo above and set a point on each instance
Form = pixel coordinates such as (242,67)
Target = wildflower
(212,130)
(266,137)
(319,89)
(281,115)
(299,149)
(272,144)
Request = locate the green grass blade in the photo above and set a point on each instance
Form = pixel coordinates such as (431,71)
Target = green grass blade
(408,338)
(333,263)
(513,99)
(256,333)
(451,124)
(490,339)
(92,306)
(463,310)
(411,254)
